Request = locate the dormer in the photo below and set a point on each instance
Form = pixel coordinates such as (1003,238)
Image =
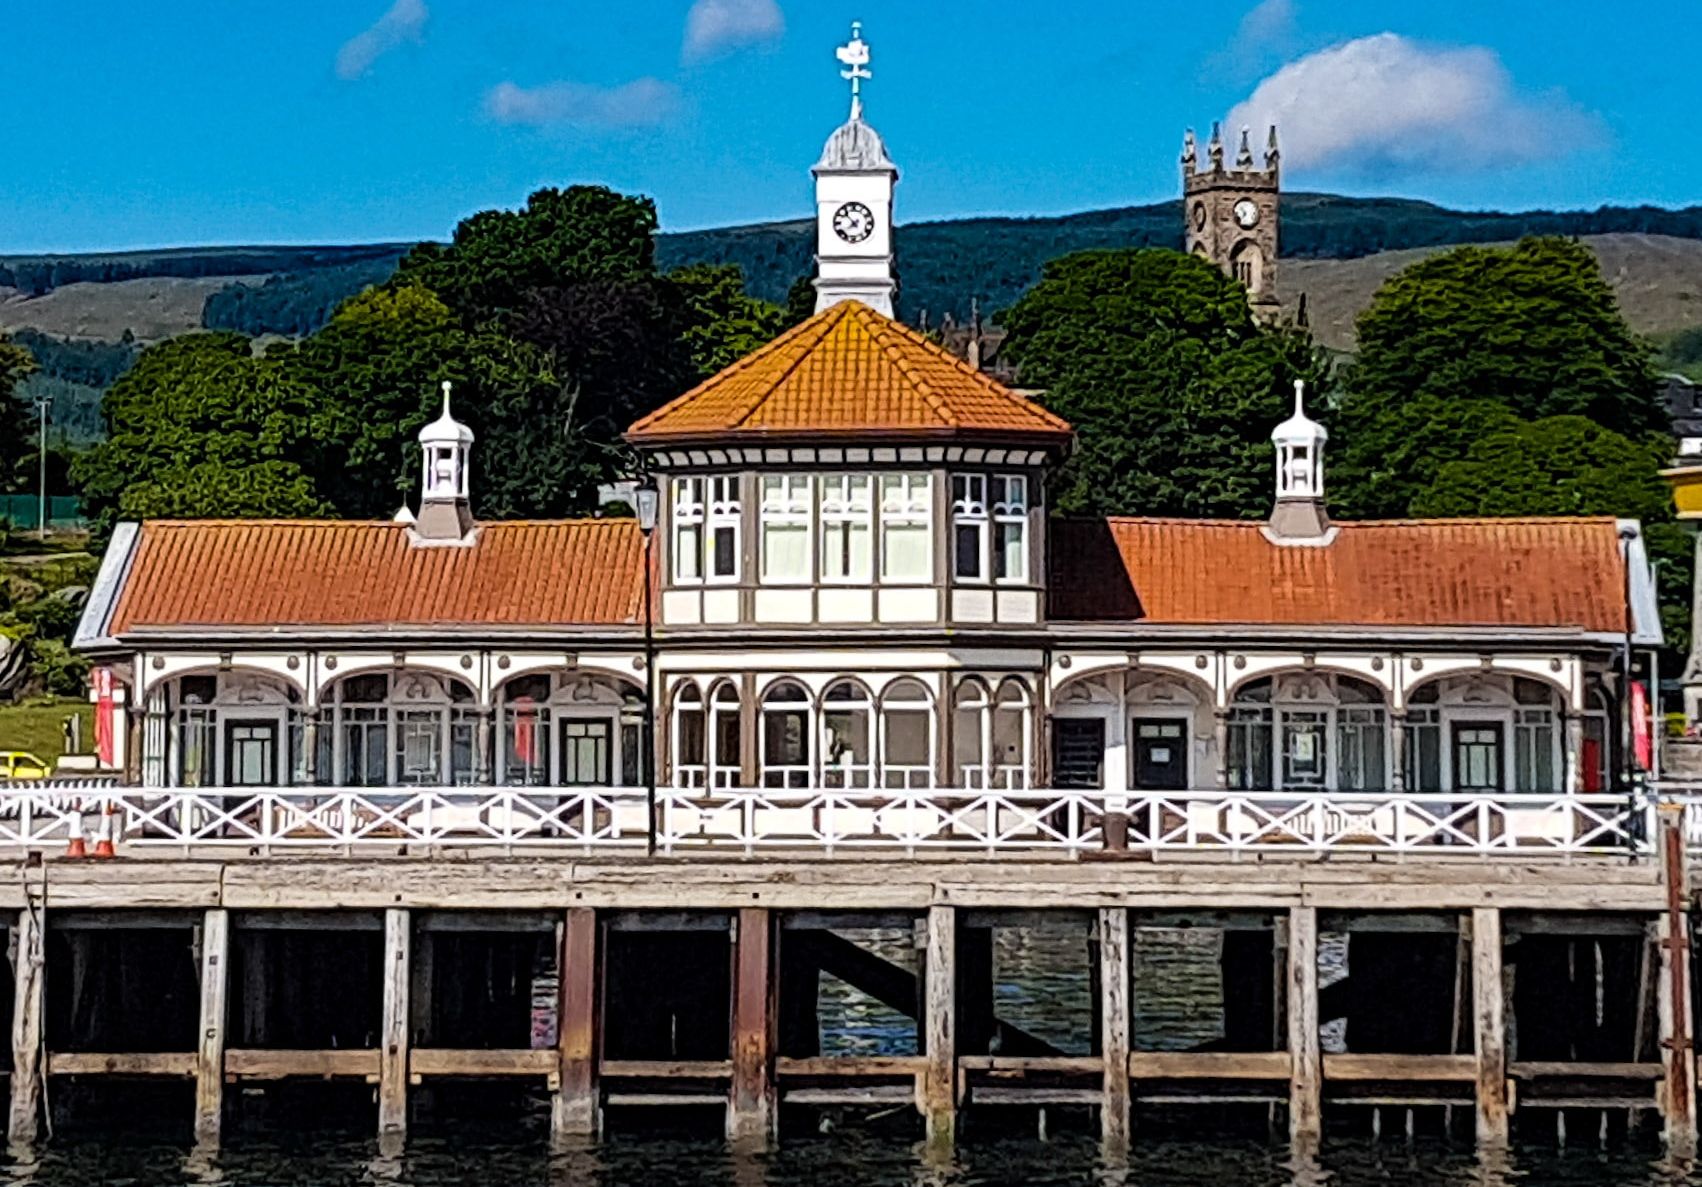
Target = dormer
(851,473)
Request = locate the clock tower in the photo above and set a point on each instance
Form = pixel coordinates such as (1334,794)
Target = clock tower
(854,189)
(1230,215)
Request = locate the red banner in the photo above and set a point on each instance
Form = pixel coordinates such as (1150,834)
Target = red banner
(105,712)
(1642,736)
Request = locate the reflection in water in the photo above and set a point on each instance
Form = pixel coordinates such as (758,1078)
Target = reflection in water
(843,1160)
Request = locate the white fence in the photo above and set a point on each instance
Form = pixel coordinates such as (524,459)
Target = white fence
(749,821)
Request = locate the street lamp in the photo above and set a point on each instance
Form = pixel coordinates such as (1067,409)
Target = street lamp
(42,404)
(641,495)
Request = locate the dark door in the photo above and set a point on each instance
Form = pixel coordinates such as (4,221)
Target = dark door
(1161,754)
(586,760)
(1478,756)
(251,753)
(1078,753)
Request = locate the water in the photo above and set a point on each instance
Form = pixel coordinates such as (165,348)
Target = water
(828,1162)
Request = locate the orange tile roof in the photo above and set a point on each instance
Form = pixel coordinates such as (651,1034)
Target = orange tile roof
(849,371)
(1557,573)
(320,573)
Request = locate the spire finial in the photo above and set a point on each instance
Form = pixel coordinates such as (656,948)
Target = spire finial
(1190,154)
(1215,149)
(855,55)
(446,386)
(1244,156)
(1299,397)
(1272,155)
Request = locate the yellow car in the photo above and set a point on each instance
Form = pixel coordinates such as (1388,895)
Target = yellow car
(21,764)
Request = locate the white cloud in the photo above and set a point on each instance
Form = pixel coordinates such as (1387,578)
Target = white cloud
(1387,103)
(716,25)
(401,23)
(639,103)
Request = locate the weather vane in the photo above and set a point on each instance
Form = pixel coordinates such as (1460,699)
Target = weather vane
(855,55)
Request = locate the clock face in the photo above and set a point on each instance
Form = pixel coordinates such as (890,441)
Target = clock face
(1246,213)
(853,222)
(1199,216)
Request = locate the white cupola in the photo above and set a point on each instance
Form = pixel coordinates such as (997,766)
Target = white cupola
(446,447)
(1299,515)
(855,180)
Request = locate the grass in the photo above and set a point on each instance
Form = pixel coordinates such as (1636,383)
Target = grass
(36,725)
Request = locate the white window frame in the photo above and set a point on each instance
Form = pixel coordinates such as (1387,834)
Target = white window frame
(1010,515)
(842,508)
(913,508)
(725,513)
(969,510)
(687,514)
(787,505)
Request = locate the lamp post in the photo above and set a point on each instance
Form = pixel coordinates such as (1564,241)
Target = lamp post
(641,495)
(42,404)
(646,502)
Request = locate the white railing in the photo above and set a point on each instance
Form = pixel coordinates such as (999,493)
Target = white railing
(828,821)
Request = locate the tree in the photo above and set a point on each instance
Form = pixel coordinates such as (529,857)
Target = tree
(801,300)
(1172,385)
(1569,465)
(573,276)
(201,427)
(17,428)
(723,323)
(583,234)
(1531,330)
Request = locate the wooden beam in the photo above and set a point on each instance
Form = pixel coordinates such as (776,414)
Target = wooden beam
(1211,1065)
(1489,1009)
(1530,1069)
(1305,1088)
(752,1109)
(393,1044)
(1678,1053)
(939,1082)
(210,1058)
(1373,1068)
(25,1113)
(1115,980)
(181,1065)
(668,1069)
(576,1107)
(851,1066)
(347,1063)
(479,1063)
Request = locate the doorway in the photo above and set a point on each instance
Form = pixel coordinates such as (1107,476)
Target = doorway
(1161,753)
(1078,753)
(1479,753)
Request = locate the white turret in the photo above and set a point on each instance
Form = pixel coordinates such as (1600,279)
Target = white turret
(446,447)
(1299,514)
(854,191)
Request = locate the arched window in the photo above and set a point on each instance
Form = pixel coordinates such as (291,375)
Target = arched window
(971,719)
(1362,731)
(408,729)
(526,731)
(1013,726)
(1308,731)
(726,767)
(690,738)
(847,736)
(990,737)
(786,757)
(907,735)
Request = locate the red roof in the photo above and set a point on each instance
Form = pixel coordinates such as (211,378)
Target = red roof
(322,573)
(1412,573)
(849,371)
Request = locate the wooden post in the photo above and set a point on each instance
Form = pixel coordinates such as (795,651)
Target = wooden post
(1490,1011)
(393,1046)
(1305,1087)
(210,1061)
(1114,1028)
(1678,1098)
(939,1079)
(26,1028)
(752,1107)
(575,1108)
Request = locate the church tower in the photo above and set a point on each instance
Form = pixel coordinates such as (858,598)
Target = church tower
(1230,215)
(854,189)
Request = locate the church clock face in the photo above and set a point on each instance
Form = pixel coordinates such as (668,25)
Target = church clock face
(853,222)
(1246,213)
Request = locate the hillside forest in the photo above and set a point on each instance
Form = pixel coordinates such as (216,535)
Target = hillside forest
(1488,380)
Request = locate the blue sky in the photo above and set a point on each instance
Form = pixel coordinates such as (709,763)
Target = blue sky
(213,121)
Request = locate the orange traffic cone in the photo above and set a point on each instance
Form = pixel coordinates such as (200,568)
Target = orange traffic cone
(103,838)
(76,846)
